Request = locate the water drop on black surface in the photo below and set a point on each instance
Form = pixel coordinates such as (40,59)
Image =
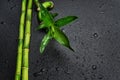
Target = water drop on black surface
(95,35)
(36,74)
(100,77)
(43,70)
(67,71)
(58,68)
(102,12)
(11,8)
(94,67)
(101,5)
(2,22)
(63,29)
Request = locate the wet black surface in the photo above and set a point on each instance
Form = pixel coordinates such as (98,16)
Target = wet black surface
(95,37)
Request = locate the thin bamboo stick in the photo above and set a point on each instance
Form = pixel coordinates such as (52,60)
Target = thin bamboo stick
(25,61)
(20,41)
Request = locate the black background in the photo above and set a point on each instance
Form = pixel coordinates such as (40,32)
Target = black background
(95,37)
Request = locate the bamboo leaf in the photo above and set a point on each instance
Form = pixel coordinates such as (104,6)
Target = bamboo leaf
(48,4)
(54,14)
(45,16)
(65,20)
(61,38)
(44,42)
(41,26)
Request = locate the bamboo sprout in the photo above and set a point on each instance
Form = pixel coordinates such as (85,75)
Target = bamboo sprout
(47,4)
(20,41)
(25,61)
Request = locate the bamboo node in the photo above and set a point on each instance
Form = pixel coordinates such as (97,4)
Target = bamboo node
(25,67)
(18,73)
(28,33)
(19,38)
(26,49)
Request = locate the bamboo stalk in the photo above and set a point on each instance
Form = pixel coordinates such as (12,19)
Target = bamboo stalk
(20,41)
(25,61)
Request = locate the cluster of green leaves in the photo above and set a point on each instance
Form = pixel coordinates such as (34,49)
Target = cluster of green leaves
(53,28)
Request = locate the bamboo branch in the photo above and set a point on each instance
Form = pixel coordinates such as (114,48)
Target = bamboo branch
(25,65)
(20,41)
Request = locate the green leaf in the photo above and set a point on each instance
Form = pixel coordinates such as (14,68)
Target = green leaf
(41,26)
(54,14)
(45,16)
(44,42)
(61,38)
(65,20)
(48,4)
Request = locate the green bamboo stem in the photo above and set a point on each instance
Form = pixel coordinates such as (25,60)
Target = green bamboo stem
(20,41)
(25,61)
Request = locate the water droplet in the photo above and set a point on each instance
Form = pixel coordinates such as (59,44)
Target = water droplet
(95,35)
(102,12)
(13,7)
(94,67)
(100,77)
(101,5)
(43,70)
(63,29)
(2,22)
(58,69)
(67,71)
(36,74)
